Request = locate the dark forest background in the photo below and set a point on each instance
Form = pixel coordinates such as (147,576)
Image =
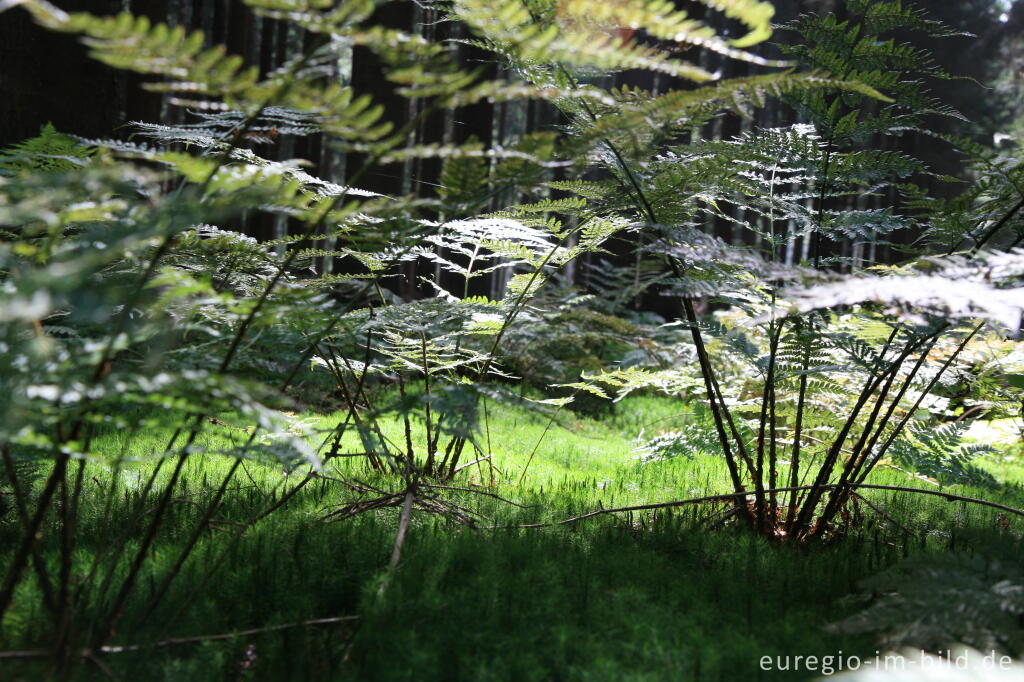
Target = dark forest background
(48,77)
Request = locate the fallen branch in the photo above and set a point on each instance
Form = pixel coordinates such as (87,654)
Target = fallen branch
(723,497)
(478,492)
(176,641)
(403,526)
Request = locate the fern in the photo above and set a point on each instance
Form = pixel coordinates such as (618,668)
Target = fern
(941,454)
(928,603)
(126,298)
(49,151)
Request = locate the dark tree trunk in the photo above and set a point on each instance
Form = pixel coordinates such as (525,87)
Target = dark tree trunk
(47,76)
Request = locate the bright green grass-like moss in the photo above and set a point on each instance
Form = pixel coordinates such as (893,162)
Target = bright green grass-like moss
(628,597)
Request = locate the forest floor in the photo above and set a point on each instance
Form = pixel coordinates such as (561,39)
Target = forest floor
(667,595)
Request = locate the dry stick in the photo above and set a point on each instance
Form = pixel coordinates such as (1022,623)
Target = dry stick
(899,427)
(475,461)
(177,641)
(811,501)
(536,446)
(478,492)
(403,526)
(731,496)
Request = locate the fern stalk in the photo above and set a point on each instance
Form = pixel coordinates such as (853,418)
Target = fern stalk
(825,470)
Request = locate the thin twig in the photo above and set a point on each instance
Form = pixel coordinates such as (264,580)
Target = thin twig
(475,461)
(731,496)
(177,641)
(478,492)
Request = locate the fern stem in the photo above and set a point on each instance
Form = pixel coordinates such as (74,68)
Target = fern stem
(406,423)
(429,467)
(774,331)
(197,533)
(995,228)
(825,471)
(797,433)
(707,373)
(28,541)
(927,391)
(884,422)
(833,504)
(821,202)
(21,506)
(717,404)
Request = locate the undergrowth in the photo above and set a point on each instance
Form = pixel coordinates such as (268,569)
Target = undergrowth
(669,594)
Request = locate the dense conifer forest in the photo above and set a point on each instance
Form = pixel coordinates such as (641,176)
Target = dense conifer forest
(511,339)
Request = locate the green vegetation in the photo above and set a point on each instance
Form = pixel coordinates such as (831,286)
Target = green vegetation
(396,437)
(644,596)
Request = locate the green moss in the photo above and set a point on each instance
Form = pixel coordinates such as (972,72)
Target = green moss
(651,596)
